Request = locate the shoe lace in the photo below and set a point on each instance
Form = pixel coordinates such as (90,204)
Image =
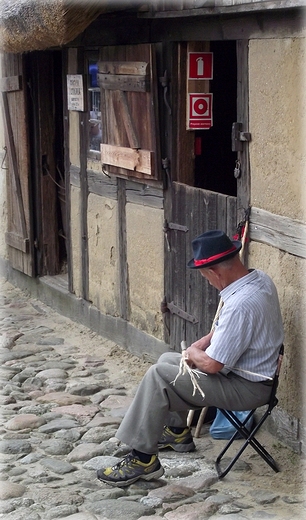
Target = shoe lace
(128,458)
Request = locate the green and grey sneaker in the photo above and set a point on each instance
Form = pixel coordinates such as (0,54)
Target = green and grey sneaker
(181,442)
(130,469)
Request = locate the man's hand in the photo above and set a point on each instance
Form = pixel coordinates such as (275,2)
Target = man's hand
(196,358)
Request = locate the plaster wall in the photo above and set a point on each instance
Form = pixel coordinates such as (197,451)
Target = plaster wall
(3,206)
(278,178)
(145,257)
(76,240)
(277,112)
(103,254)
(74,138)
(288,274)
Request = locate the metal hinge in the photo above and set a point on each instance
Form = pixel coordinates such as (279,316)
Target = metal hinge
(169,226)
(174,309)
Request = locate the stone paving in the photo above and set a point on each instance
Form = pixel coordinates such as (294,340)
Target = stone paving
(63,393)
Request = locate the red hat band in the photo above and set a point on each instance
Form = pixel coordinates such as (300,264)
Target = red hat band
(214,257)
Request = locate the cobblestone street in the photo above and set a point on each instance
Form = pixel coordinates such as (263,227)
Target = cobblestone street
(64,390)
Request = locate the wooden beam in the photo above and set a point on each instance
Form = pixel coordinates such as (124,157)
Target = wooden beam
(126,82)
(123,264)
(128,158)
(250,6)
(282,232)
(138,68)
(244,181)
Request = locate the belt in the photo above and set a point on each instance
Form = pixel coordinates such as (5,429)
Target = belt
(266,382)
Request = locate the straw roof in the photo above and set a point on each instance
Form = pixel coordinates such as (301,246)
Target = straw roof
(28,25)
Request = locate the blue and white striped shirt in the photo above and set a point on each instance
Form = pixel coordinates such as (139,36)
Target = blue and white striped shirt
(249,331)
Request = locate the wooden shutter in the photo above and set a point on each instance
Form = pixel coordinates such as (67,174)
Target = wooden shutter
(129,111)
(17,237)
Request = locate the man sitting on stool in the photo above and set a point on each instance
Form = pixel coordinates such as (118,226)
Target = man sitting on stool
(235,363)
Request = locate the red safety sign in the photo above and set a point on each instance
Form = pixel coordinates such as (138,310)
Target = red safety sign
(200,65)
(199,111)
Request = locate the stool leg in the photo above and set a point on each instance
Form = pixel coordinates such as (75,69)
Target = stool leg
(200,421)
(190,417)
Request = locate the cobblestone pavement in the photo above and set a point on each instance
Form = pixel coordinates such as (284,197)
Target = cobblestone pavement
(64,391)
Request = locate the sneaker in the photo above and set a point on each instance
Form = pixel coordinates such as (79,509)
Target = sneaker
(181,442)
(130,469)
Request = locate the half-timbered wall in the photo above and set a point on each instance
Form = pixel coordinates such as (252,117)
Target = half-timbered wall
(277,161)
(116,255)
(3,213)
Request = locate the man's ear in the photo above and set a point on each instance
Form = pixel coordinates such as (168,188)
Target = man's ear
(214,271)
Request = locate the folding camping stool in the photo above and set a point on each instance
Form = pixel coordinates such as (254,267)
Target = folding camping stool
(248,435)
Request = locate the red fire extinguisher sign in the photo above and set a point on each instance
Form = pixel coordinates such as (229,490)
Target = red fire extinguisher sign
(200,65)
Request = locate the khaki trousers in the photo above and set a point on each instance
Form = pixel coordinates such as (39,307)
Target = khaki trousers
(158,402)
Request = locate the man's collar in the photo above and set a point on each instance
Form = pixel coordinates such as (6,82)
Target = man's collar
(235,286)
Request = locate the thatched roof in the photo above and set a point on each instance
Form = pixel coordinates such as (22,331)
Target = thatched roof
(28,25)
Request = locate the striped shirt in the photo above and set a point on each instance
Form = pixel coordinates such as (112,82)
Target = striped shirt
(249,331)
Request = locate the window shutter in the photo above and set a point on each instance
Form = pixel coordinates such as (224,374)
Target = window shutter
(18,198)
(129,111)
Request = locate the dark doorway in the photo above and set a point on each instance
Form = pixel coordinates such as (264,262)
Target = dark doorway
(47,161)
(214,159)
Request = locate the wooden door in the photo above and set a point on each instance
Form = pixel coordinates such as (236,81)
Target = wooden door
(190,302)
(203,193)
(19,232)
(46,160)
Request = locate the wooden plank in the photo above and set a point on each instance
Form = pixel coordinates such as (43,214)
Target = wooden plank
(126,82)
(128,158)
(11,84)
(243,182)
(225,7)
(123,265)
(127,121)
(69,65)
(83,119)
(282,232)
(145,195)
(195,286)
(16,241)
(177,241)
(221,207)
(183,141)
(14,161)
(209,306)
(272,24)
(137,68)
(100,184)
(231,222)
(74,174)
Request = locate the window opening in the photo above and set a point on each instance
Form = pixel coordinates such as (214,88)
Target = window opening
(95,127)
